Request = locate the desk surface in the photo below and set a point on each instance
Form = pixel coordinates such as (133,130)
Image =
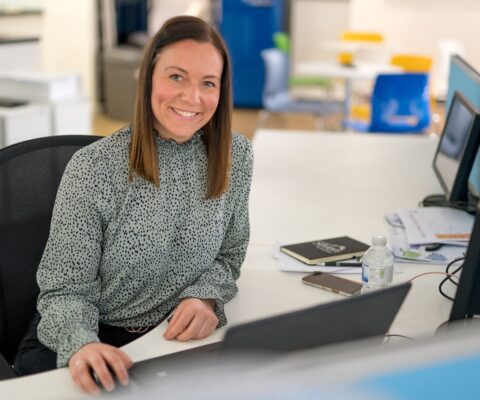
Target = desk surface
(307,186)
(332,69)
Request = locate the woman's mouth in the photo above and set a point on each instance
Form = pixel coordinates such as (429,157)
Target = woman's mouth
(183,113)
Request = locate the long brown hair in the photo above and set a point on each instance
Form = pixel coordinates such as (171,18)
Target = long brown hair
(217,132)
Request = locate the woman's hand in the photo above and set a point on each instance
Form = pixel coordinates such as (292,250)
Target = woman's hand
(192,319)
(101,359)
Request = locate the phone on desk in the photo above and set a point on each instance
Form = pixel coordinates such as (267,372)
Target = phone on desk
(333,283)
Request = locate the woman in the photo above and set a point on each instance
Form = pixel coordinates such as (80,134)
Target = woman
(150,222)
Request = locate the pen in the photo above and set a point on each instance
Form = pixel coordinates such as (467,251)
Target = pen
(339,264)
(433,246)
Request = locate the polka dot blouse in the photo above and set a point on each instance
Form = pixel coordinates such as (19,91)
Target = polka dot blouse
(125,253)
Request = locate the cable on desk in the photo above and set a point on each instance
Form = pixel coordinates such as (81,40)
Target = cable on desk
(431,273)
(447,269)
(449,277)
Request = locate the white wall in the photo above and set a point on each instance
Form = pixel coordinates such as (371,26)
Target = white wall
(409,26)
(69,39)
(313,23)
(416,26)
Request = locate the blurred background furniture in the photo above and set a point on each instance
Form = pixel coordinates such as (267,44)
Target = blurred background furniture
(359,46)
(30,173)
(35,104)
(347,74)
(257,21)
(276,95)
(282,42)
(412,62)
(400,104)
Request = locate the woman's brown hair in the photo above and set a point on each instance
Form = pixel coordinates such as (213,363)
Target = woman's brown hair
(216,133)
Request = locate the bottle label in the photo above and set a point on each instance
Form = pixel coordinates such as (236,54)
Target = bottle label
(378,276)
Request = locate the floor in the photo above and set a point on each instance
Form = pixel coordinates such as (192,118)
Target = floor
(246,121)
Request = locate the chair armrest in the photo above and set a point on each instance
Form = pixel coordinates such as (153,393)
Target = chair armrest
(6,371)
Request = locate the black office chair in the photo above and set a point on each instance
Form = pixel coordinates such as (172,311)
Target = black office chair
(30,173)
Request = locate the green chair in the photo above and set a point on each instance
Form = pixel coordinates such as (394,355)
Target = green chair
(276,96)
(282,42)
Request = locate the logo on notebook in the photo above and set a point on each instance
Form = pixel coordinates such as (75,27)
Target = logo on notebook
(330,248)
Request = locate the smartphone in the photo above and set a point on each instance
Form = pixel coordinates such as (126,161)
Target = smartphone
(333,283)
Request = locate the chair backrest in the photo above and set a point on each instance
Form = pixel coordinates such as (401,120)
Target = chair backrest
(361,36)
(282,42)
(30,173)
(276,71)
(400,103)
(412,62)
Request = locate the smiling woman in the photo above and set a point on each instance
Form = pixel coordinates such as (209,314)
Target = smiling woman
(209,66)
(148,223)
(185,88)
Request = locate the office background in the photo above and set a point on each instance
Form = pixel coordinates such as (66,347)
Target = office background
(69,43)
(408,26)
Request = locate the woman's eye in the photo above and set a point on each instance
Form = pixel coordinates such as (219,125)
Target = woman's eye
(175,77)
(209,84)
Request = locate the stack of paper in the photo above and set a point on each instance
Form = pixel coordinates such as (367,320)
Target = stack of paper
(38,86)
(57,97)
(413,231)
(23,123)
(437,225)
(71,116)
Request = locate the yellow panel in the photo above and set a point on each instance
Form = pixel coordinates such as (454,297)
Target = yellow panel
(412,62)
(362,37)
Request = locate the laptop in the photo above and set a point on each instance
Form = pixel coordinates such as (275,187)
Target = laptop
(366,315)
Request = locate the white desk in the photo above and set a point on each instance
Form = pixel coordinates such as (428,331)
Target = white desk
(331,69)
(306,186)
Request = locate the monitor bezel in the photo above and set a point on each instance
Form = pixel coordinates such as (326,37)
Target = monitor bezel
(459,191)
(466,302)
(468,69)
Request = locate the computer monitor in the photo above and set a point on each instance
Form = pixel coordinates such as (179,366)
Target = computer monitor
(465,79)
(466,303)
(458,146)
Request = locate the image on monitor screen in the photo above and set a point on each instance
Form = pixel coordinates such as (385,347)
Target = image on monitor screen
(457,148)
(466,302)
(465,79)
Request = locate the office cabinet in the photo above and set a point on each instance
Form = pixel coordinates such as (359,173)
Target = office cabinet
(247,27)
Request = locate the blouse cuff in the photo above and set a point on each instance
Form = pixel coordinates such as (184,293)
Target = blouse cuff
(71,342)
(213,294)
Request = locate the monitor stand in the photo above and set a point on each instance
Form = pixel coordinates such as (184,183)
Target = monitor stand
(439,200)
(446,326)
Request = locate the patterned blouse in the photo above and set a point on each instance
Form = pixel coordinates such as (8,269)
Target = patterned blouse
(126,253)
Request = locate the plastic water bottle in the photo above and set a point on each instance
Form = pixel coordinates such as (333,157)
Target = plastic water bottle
(377,265)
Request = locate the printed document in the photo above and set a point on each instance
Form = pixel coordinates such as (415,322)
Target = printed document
(437,225)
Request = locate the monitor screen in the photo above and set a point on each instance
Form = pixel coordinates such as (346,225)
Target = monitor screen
(467,298)
(465,79)
(457,148)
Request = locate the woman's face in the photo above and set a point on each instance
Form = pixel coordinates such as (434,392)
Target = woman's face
(185,88)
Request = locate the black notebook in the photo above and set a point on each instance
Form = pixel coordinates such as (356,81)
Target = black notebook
(326,250)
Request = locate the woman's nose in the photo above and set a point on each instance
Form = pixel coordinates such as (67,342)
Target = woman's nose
(191,94)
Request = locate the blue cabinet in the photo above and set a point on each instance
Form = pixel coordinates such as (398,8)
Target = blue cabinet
(247,27)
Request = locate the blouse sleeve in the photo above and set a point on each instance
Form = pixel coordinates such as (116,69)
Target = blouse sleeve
(218,282)
(68,272)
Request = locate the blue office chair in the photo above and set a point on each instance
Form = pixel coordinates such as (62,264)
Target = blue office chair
(400,104)
(276,96)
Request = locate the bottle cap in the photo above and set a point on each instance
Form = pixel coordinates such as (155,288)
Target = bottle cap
(379,240)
